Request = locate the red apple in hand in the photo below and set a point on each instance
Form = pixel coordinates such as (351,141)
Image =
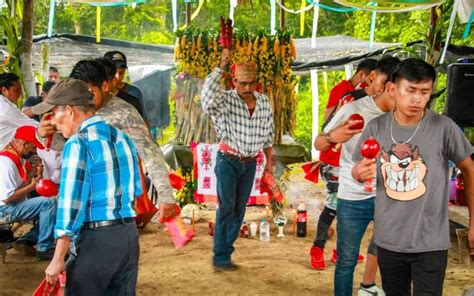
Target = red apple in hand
(370,148)
(358,125)
(46,188)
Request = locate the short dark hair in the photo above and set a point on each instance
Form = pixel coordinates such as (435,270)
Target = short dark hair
(414,70)
(7,79)
(89,71)
(47,85)
(53,69)
(109,67)
(386,65)
(366,65)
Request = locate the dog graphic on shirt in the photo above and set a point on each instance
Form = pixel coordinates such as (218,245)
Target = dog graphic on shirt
(403,171)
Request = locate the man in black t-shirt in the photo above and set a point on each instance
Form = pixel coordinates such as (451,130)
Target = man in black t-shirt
(110,70)
(135,94)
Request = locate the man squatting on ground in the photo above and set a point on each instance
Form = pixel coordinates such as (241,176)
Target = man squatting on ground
(244,125)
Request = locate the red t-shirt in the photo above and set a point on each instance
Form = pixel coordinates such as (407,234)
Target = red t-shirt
(330,156)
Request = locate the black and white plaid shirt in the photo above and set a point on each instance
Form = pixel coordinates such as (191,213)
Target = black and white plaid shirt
(234,126)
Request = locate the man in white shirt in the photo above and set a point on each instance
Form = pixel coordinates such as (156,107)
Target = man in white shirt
(10,116)
(15,185)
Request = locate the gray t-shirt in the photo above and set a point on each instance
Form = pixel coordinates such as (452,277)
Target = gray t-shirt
(411,209)
(350,189)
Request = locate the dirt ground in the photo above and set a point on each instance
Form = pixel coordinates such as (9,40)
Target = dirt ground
(278,267)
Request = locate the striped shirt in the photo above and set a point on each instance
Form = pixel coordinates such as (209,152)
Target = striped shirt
(99,178)
(245,133)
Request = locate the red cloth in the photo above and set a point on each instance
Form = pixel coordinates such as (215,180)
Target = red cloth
(338,91)
(329,156)
(17,161)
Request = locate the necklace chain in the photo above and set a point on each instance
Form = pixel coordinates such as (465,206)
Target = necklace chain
(411,137)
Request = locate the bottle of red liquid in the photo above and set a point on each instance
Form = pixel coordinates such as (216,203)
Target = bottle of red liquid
(301,218)
(244,230)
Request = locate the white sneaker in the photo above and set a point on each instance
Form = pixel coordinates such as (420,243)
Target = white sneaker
(372,291)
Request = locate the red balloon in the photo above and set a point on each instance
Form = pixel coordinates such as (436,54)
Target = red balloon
(46,188)
(360,124)
(370,148)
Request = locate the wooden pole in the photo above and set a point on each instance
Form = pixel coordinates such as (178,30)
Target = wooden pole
(188,14)
(435,39)
(282,15)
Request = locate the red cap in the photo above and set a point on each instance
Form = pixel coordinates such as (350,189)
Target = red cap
(27,133)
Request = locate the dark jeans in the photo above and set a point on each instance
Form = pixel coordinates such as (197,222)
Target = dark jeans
(325,220)
(426,270)
(353,217)
(105,262)
(39,209)
(234,185)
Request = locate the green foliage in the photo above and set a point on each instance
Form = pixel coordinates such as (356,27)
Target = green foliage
(11,31)
(304,117)
(149,22)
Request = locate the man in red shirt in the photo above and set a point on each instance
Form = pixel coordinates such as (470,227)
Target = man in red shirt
(329,170)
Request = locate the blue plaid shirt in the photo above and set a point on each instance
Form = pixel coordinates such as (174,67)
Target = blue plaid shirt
(99,178)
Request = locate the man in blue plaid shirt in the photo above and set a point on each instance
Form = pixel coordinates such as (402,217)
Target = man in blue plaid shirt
(243,120)
(99,181)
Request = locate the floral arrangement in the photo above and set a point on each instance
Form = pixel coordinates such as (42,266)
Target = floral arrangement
(197,52)
(186,194)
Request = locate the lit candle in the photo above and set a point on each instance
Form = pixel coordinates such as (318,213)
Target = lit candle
(267,212)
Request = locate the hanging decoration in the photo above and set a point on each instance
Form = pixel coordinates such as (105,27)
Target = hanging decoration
(96,3)
(450,30)
(303,9)
(195,13)
(198,52)
(302,17)
(390,5)
(467,28)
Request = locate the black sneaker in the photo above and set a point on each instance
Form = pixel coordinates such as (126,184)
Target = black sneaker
(46,255)
(25,247)
(225,267)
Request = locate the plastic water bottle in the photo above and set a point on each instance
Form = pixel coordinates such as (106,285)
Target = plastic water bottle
(301,218)
(264,230)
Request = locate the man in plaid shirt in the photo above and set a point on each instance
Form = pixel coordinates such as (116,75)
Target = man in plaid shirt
(243,120)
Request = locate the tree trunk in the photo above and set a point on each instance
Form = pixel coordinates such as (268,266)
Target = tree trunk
(45,48)
(27,47)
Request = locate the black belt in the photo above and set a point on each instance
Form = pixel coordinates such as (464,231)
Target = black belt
(100,224)
(242,159)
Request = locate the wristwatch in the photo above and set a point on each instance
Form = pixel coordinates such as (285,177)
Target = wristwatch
(327,136)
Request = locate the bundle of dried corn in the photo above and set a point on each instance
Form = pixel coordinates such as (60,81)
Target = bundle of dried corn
(197,52)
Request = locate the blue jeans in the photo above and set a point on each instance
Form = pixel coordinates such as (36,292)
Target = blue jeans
(234,185)
(353,217)
(40,209)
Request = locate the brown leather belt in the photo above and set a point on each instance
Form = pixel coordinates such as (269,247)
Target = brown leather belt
(242,159)
(100,224)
